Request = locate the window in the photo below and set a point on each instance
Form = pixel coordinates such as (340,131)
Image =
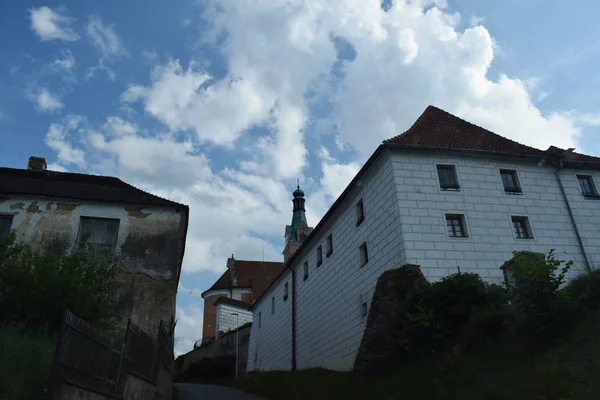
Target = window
(365,309)
(522,228)
(259,319)
(364,254)
(456,225)
(273,305)
(305,270)
(319,255)
(510,181)
(360,212)
(5,226)
(100,233)
(285,291)
(255,359)
(329,245)
(588,189)
(447,175)
(509,279)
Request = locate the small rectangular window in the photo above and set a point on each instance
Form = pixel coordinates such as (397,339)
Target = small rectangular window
(365,309)
(510,181)
(255,359)
(5,226)
(360,212)
(521,227)
(273,305)
(305,270)
(319,255)
(447,176)
(455,224)
(285,291)
(364,254)
(100,233)
(259,319)
(588,189)
(329,245)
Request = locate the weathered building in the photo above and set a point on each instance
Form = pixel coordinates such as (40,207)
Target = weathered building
(53,210)
(443,195)
(242,282)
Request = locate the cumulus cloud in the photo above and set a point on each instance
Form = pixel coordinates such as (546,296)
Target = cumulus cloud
(46,101)
(60,138)
(189,328)
(104,37)
(52,24)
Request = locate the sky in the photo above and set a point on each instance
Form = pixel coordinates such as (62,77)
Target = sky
(223,104)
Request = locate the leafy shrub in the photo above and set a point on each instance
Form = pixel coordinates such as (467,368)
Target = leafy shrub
(439,312)
(36,287)
(542,310)
(585,290)
(25,363)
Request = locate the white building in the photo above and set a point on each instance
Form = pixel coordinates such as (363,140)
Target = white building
(443,195)
(53,210)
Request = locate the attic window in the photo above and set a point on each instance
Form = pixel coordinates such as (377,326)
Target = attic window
(329,245)
(5,226)
(319,255)
(448,178)
(273,305)
(285,291)
(360,212)
(510,181)
(100,235)
(364,254)
(305,270)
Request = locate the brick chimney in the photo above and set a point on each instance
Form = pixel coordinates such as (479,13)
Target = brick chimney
(231,268)
(36,164)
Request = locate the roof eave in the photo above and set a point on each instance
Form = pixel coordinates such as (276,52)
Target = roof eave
(398,146)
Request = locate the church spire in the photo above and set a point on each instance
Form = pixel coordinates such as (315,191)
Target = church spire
(299,229)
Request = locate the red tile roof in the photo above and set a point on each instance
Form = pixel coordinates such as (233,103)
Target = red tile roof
(438,128)
(233,302)
(256,275)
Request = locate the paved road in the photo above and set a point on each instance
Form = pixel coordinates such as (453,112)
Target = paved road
(191,391)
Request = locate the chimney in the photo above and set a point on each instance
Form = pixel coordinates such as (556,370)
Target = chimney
(36,164)
(231,268)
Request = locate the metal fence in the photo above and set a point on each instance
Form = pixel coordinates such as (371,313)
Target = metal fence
(88,359)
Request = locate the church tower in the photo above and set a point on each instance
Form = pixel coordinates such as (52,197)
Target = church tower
(299,229)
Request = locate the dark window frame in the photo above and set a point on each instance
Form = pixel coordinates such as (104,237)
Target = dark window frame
(521,227)
(360,212)
(591,192)
(10,219)
(510,181)
(447,176)
(94,247)
(459,230)
(364,254)
(365,309)
(305,270)
(329,245)
(259,319)
(273,305)
(285,291)
(319,255)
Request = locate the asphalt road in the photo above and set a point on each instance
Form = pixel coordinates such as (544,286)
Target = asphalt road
(192,391)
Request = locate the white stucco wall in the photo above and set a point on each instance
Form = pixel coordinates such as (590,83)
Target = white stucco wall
(227,321)
(405,223)
(270,346)
(488,210)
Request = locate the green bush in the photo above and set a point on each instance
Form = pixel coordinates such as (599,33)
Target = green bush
(541,309)
(585,290)
(25,363)
(438,313)
(36,287)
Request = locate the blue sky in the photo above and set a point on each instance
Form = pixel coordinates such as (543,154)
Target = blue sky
(223,104)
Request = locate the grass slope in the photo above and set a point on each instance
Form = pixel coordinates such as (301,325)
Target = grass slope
(567,370)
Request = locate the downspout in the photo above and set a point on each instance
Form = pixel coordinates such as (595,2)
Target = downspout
(293,271)
(581,246)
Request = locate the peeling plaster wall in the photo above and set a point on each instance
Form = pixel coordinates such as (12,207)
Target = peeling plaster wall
(150,241)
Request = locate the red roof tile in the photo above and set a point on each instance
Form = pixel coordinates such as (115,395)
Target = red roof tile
(438,128)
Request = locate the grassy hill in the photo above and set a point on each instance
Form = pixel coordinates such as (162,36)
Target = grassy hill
(569,369)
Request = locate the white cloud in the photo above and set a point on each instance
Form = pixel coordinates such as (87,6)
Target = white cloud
(475,20)
(47,101)
(104,38)
(51,24)
(60,137)
(188,328)
(56,167)
(65,63)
